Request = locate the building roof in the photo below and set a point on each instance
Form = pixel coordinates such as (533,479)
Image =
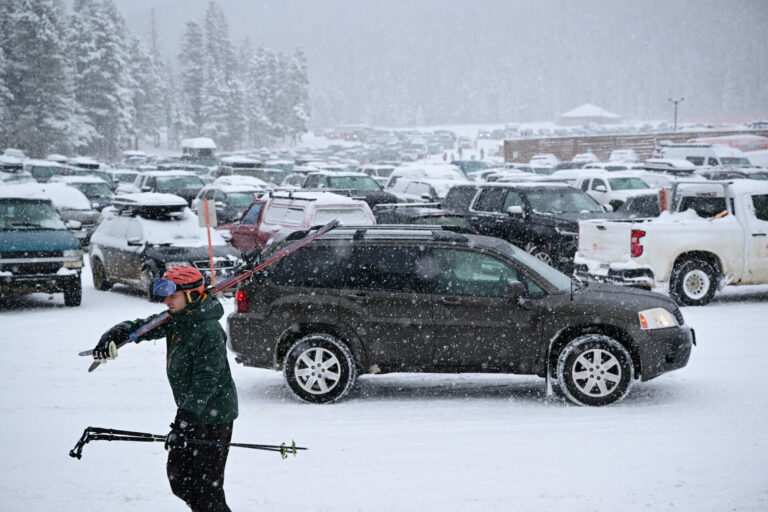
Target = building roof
(590,110)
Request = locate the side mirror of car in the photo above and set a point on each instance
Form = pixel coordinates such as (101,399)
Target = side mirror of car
(516,211)
(608,208)
(516,289)
(601,189)
(134,242)
(146,189)
(74,224)
(220,204)
(426,197)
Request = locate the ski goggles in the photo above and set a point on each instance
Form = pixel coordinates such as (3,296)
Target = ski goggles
(162,288)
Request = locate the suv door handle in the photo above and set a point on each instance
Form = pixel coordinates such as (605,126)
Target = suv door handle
(758,234)
(450,301)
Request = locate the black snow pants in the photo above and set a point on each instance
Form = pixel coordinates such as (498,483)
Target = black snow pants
(196,473)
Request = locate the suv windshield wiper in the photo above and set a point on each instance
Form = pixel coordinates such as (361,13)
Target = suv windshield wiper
(29,225)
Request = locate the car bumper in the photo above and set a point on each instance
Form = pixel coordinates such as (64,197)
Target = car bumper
(19,284)
(619,273)
(249,347)
(664,350)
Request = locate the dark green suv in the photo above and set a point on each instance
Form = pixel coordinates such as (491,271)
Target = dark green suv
(383,299)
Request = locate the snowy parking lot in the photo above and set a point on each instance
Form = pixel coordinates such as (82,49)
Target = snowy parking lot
(694,439)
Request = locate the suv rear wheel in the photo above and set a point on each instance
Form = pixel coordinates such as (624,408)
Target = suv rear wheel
(100,276)
(540,252)
(320,368)
(594,369)
(73,294)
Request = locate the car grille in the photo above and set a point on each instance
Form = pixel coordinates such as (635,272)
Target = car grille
(31,268)
(30,254)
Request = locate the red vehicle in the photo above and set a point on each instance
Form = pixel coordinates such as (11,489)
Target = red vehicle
(276,216)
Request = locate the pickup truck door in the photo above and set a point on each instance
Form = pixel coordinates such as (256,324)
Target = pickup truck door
(757,237)
(244,233)
(485,214)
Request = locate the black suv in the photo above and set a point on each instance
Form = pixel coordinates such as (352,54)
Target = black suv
(355,184)
(542,218)
(425,299)
(451,211)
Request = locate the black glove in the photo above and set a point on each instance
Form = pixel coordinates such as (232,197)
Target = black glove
(181,431)
(106,348)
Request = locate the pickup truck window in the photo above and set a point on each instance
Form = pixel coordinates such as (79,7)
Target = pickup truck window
(761,206)
(627,184)
(490,200)
(598,183)
(585,185)
(253,214)
(703,206)
(562,200)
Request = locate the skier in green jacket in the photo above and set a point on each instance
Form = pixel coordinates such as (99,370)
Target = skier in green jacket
(202,385)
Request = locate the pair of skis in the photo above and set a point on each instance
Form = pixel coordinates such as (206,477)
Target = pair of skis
(224,285)
(110,434)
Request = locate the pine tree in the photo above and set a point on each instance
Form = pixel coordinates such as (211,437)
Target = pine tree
(38,91)
(148,92)
(192,78)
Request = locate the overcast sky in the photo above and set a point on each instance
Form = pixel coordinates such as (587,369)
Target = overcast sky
(436,61)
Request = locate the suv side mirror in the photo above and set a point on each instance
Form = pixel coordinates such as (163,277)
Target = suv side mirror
(426,197)
(516,289)
(74,224)
(601,189)
(516,211)
(608,208)
(146,189)
(220,204)
(134,242)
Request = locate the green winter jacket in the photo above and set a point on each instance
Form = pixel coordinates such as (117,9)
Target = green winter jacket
(196,361)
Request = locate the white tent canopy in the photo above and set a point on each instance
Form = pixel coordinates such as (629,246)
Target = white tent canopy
(587,113)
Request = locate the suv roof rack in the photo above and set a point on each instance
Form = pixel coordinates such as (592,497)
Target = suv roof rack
(290,195)
(131,208)
(434,232)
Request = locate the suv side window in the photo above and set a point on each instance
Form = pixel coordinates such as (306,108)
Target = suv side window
(713,162)
(761,206)
(389,268)
(585,184)
(512,199)
(252,215)
(470,273)
(490,200)
(459,198)
(312,181)
(317,266)
(596,183)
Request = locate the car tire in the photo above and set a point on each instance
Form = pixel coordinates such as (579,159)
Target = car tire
(320,368)
(147,276)
(693,282)
(73,294)
(541,253)
(594,370)
(99,273)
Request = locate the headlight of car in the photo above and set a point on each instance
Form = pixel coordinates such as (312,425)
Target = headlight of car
(71,262)
(656,318)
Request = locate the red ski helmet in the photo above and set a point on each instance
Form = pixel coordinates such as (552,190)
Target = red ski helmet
(185,278)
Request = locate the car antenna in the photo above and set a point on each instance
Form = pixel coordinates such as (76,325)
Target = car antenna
(572,278)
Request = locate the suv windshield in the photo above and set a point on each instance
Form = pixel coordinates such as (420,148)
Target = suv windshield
(627,184)
(19,214)
(735,161)
(171,183)
(562,201)
(94,190)
(353,182)
(240,199)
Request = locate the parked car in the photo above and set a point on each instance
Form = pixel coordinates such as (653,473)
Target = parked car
(544,160)
(355,184)
(406,299)
(423,189)
(704,155)
(145,234)
(690,255)
(276,215)
(378,172)
(43,170)
(623,155)
(612,188)
(585,158)
(122,177)
(184,184)
(431,171)
(38,253)
(450,211)
(542,218)
(230,201)
(97,192)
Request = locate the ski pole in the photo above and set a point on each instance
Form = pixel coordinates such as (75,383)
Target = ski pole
(103,434)
(233,281)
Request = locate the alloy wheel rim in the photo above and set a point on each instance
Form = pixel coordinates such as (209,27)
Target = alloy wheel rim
(544,257)
(696,284)
(596,373)
(317,371)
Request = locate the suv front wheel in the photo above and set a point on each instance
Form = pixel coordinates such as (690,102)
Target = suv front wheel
(320,368)
(594,369)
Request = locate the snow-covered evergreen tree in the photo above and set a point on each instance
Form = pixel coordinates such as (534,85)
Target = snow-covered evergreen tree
(191,78)
(148,92)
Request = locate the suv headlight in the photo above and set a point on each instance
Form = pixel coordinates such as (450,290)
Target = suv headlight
(71,254)
(656,318)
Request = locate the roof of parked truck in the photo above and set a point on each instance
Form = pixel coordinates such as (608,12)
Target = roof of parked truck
(78,179)
(316,198)
(167,174)
(528,185)
(747,186)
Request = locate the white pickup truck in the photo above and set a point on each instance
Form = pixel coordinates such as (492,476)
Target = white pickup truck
(689,255)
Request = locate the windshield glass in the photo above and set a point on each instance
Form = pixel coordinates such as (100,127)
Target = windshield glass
(735,161)
(347,216)
(125,177)
(171,183)
(240,199)
(28,215)
(627,184)
(354,182)
(94,190)
(562,201)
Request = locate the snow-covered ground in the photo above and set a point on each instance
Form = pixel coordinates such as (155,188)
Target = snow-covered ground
(693,440)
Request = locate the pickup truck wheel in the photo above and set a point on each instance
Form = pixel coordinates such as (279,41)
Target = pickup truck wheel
(595,370)
(319,368)
(100,276)
(693,283)
(541,253)
(73,294)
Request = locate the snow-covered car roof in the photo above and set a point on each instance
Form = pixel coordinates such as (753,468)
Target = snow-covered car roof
(150,199)
(198,143)
(242,181)
(747,186)
(240,160)
(672,163)
(78,179)
(84,160)
(56,157)
(530,184)
(62,195)
(22,191)
(168,174)
(122,171)
(33,162)
(344,174)
(601,173)
(10,161)
(182,230)
(234,189)
(317,198)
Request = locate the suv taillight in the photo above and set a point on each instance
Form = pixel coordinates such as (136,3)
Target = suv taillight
(635,247)
(241,301)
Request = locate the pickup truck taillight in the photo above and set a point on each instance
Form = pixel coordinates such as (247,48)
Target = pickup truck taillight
(635,245)
(241,301)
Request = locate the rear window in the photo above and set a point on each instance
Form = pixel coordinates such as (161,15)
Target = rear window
(703,206)
(253,214)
